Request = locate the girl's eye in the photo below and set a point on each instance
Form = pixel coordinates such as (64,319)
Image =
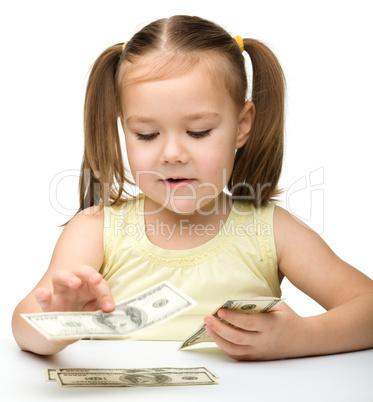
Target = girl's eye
(194,134)
(146,137)
(199,134)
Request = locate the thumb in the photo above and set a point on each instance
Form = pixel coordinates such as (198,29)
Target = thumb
(43,297)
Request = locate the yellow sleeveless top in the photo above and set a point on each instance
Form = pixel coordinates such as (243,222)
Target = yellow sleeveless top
(240,262)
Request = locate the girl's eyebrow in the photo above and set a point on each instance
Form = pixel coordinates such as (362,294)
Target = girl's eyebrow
(188,117)
(200,116)
(139,119)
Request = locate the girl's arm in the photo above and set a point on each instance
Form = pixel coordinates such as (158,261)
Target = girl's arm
(346,293)
(71,282)
(306,260)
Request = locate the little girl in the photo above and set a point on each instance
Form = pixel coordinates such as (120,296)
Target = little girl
(179,89)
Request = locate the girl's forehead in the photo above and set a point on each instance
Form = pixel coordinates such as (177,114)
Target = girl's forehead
(163,66)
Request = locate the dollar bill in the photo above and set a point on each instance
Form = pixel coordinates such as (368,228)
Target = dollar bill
(146,377)
(249,306)
(151,307)
(50,373)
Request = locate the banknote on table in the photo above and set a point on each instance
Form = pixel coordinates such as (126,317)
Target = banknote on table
(151,307)
(140,377)
(50,373)
(249,306)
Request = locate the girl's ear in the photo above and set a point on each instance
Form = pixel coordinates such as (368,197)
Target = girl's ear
(246,119)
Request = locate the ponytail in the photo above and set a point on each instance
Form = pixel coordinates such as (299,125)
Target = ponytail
(258,163)
(102,171)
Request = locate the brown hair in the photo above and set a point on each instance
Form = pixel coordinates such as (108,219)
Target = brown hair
(177,44)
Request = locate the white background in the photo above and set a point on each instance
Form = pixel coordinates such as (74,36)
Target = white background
(47,48)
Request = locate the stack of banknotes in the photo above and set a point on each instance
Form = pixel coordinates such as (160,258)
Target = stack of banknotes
(141,377)
(151,307)
(248,306)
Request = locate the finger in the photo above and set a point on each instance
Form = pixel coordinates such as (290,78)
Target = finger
(63,280)
(97,285)
(86,273)
(248,322)
(233,335)
(43,298)
(238,352)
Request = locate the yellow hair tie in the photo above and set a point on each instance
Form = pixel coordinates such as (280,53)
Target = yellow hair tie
(123,46)
(239,41)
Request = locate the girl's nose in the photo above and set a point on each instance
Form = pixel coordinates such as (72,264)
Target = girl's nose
(174,151)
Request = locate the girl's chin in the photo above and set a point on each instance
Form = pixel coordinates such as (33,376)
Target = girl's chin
(182,208)
(188,205)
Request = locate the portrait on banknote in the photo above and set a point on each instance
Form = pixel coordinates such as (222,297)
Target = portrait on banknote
(123,320)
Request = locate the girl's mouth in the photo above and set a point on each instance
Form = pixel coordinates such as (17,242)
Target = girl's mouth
(178,182)
(176,179)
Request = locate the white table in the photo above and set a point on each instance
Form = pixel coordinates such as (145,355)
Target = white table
(343,377)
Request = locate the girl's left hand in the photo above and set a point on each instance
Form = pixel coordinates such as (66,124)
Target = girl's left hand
(278,334)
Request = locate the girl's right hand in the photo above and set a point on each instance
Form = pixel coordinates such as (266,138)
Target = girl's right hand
(82,289)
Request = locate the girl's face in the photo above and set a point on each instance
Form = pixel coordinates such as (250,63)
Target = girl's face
(181,135)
